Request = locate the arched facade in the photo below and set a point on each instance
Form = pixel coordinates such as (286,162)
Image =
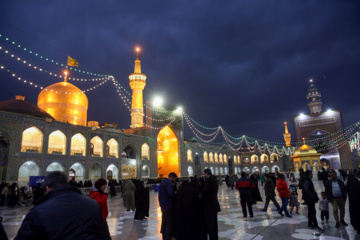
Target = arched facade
(255,169)
(264,158)
(112,148)
(221,158)
(112,172)
(168,152)
(78,145)
(28,169)
(189,156)
(216,158)
(275,168)
(57,143)
(77,171)
(221,171)
(265,169)
(206,157)
(96,147)
(55,166)
(32,140)
(190,171)
(254,159)
(145,151)
(274,158)
(145,171)
(225,158)
(216,171)
(95,172)
(211,157)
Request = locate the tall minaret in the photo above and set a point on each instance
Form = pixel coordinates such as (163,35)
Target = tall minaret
(314,98)
(137,84)
(287,135)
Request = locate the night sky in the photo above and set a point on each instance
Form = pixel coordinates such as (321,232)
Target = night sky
(244,65)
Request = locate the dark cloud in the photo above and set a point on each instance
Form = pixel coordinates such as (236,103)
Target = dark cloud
(243,65)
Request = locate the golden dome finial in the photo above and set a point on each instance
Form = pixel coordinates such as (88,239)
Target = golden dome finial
(65,78)
(137,52)
(304,140)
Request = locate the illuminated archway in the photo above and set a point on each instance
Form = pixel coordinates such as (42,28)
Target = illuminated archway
(77,171)
(96,148)
(221,158)
(78,145)
(167,152)
(225,158)
(112,148)
(275,168)
(112,172)
(190,171)
(189,156)
(57,143)
(32,140)
(274,158)
(206,157)
(95,172)
(55,166)
(211,156)
(254,159)
(28,169)
(145,151)
(216,158)
(255,169)
(264,158)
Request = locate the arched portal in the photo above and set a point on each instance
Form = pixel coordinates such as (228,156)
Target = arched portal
(255,170)
(112,172)
(28,169)
(32,140)
(221,171)
(254,159)
(275,168)
(112,148)
(96,148)
(57,143)
(246,169)
(95,172)
(216,171)
(274,158)
(168,152)
(78,145)
(265,169)
(145,171)
(145,151)
(55,166)
(226,171)
(77,172)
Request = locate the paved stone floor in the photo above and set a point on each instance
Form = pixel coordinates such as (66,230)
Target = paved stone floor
(266,225)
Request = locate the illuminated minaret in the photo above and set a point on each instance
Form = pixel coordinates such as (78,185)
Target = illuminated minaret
(137,84)
(314,98)
(287,135)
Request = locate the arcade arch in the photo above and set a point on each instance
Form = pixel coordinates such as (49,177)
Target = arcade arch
(264,158)
(211,156)
(254,159)
(32,140)
(216,158)
(145,151)
(221,171)
(77,171)
(206,157)
(275,168)
(78,145)
(189,156)
(57,143)
(265,169)
(221,158)
(190,171)
(96,147)
(274,158)
(55,166)
(95,172)
(216,171)
(168,152)
(27,169)
(112,148)
(112,172)
(145,171)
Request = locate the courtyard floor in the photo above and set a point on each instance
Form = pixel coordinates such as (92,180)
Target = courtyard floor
(266,225)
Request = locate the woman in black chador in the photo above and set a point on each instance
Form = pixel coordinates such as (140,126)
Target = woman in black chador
(353,189)
(141,201)
(190,222)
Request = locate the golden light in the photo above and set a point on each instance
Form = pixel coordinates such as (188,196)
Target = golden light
(137,49)
(65,73)
(285,123)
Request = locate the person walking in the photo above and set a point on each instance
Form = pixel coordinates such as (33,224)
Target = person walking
(5,193)
(63,213)
(353,189)
(324,208)
(245,185)
(262,180)
(336,194)
(310,197)
(294,202)
(129,196)
(269,193)
(211,204)
(166,197)
(324,176)
(100,194)
(284,194)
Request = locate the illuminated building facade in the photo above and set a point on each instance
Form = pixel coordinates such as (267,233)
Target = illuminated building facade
(319,124)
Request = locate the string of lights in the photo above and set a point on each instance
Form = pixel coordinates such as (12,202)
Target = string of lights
(32,84)
(48,59)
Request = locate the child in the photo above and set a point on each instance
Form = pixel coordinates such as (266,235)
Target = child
(324,207)
(293,198)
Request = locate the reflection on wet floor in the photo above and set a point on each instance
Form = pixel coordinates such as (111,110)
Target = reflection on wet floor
(266,225)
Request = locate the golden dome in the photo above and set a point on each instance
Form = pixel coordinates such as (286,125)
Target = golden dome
(65,102)
(305,150)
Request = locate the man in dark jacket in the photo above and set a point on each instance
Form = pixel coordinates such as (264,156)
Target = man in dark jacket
(310,197)
(245,185)
(270,193)
(166,197)
(63,213)
(336,194)
(210,204)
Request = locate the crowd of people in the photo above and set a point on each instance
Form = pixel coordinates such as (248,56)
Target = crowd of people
(189,207)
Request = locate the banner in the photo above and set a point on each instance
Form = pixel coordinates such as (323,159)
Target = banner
(35,180)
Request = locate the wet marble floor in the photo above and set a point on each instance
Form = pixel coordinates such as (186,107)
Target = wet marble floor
(266,225)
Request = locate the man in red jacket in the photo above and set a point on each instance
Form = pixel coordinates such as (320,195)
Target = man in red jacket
(245,186)
(284,194)
(100,193)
